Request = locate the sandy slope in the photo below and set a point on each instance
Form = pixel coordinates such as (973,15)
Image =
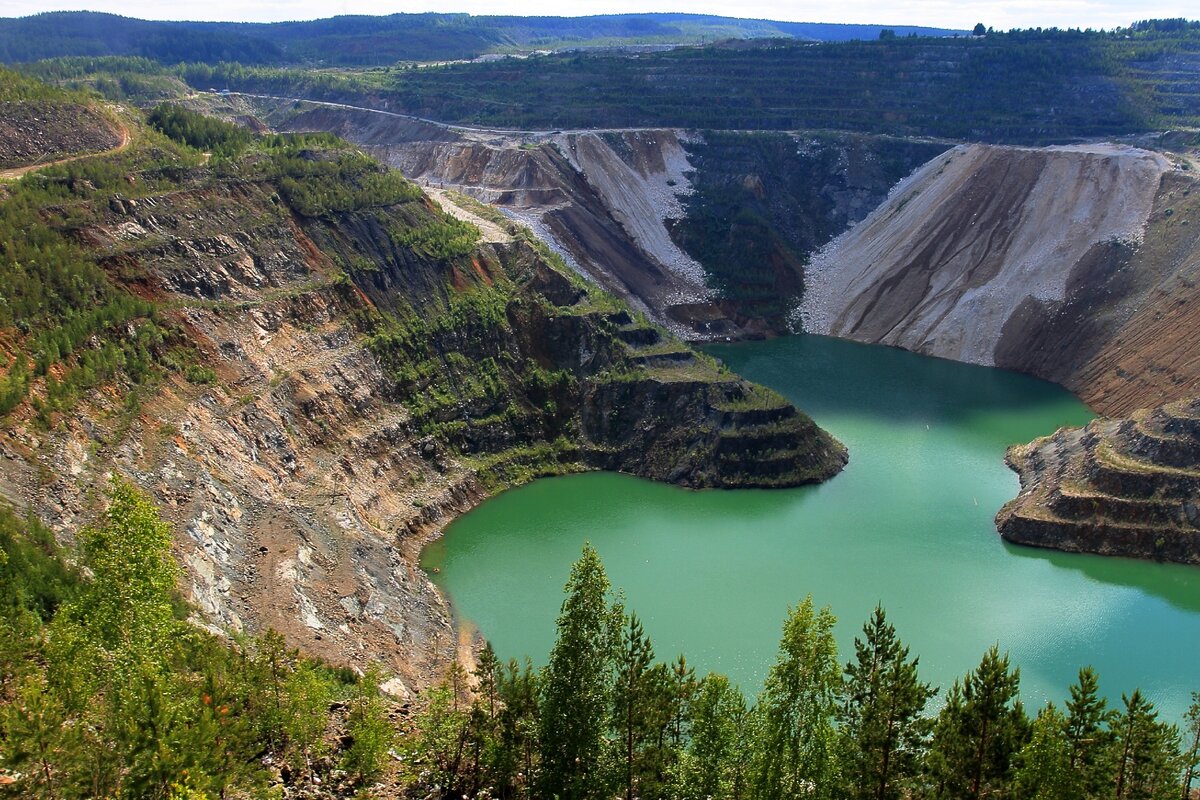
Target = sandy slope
(971,236)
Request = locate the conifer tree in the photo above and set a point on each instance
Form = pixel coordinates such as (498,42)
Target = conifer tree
(307,692)
(796,753)
(683,689)
(882,726)
(367,725)
(517,689)
(576,685)
(644,707)
(1146,752)
(977,732)
(1088,736)
(1191,758)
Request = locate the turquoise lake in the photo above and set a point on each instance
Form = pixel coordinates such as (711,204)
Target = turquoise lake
(908,524)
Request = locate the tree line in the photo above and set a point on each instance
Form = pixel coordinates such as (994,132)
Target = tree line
(106,690)
(605,718)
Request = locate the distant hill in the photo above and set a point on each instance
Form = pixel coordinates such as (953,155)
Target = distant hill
(375,41)
(1022,87)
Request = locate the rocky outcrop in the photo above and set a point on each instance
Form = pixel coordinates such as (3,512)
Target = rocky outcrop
(1128,487)
(601,199)
(958,248)
(366,387)
(706,233)
(1076,264)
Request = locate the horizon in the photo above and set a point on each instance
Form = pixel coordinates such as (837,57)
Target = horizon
(1082,14)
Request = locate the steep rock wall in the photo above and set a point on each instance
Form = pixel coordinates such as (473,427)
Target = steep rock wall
(1052,261)
(707,233)
(1128,487)
(363,393)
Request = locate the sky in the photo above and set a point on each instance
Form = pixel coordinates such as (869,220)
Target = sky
(1000,14)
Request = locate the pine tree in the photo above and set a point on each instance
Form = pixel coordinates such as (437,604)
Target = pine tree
(633,663)
(483,740)
(1191,758)
(518,691)
(487,675)
(683,689)
(38,740)
(576,685)
(369,730)
(439,740)
(1088,737)
(307,692)
(1146,752)
(978,731)
(882,726)
(795,753)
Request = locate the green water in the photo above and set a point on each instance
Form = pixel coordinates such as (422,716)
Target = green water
(908,524)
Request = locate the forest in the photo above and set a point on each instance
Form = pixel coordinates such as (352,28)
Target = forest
(355,40)
(108,691)
(1019,87)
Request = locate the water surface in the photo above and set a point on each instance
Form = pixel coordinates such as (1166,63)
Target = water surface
(909,523)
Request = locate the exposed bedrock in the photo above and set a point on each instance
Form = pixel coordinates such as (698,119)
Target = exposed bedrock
(363,393)
(1127,487)
(1077,264)
(707,233)
(601,199)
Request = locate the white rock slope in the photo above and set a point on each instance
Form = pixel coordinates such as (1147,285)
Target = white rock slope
(959,245)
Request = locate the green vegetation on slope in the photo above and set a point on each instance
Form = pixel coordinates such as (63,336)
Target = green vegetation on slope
(105,691)
(481,345)
(383,40)
(16,87)
(67,326)
(1021,87)
(1025,86)
(762,203)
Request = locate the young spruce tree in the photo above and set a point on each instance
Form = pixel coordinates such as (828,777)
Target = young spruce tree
(977,732)
(1088,736)
(1146,752)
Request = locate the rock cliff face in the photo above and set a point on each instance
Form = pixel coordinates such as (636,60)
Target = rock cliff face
(368,384)
(706,233)
(1075,264)
(1078,265)
(1127,487)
